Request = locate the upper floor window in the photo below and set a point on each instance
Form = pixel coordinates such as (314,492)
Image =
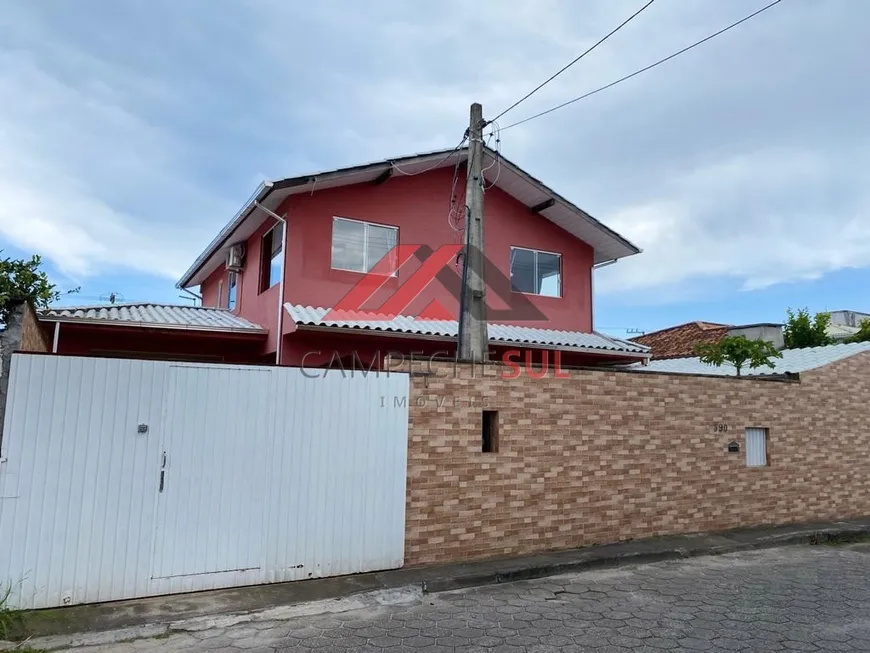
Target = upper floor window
(272,258)
(536,273)
(359,246)
(232,281)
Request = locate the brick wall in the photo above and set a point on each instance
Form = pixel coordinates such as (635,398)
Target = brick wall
(32,337)
(606,456)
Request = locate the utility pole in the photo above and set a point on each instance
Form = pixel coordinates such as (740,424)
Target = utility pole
(473,339)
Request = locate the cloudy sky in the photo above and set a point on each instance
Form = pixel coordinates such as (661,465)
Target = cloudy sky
(131,132)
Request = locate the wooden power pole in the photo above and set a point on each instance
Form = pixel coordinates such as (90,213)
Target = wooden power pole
(473,339)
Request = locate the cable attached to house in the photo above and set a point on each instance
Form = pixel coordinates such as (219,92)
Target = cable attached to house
(496,131)
(434,165)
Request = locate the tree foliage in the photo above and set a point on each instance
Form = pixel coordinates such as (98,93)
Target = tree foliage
(738,351)
(803,331)
(22,279)
(863,334)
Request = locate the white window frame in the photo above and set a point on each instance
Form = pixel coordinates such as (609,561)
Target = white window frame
(756,457)
(366,225)
(264,256)
(231,278)
(220,294)
(536,252)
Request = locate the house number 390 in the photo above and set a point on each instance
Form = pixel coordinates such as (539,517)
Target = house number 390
(720,428)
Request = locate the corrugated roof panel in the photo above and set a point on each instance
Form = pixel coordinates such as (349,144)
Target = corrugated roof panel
(316,316)
(793,360)
(166,315)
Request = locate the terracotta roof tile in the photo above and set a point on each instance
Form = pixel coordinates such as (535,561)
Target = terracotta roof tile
(679,341)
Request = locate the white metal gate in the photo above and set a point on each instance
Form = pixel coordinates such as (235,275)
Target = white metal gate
(268,476)
(215,447)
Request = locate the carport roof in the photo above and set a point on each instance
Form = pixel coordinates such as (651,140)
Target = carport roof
(162,316)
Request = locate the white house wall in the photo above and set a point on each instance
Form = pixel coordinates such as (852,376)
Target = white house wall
(79,484)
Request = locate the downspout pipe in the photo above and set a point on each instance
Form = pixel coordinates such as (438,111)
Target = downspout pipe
(280,326)
(192,295)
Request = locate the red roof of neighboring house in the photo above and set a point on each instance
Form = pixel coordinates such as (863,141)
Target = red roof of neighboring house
(679,341)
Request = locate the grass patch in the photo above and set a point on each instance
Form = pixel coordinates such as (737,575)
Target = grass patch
(11,621)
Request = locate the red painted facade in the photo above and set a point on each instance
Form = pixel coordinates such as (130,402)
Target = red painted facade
(119,341)
(418,206)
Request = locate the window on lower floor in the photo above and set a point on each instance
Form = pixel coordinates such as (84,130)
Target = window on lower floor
(232,282)
(756,447)
(359,246)
(272,257)
(535,272)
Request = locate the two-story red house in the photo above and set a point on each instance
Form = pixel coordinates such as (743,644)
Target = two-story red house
(302,246)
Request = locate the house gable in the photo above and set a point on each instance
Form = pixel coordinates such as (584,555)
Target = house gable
(499,172)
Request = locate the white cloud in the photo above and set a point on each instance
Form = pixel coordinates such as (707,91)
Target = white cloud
(129,137)
(748,218)
(754,218)
(72,166)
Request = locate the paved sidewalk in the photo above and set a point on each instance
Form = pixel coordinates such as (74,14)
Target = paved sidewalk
(795,598)
(156,615)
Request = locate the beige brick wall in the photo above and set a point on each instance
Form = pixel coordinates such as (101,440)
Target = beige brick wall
(32,337)
(607,456)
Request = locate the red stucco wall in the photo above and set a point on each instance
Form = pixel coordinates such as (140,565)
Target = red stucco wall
(418,206)
(259,308)
(138,342)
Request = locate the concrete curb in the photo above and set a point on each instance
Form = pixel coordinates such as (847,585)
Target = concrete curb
(810,536)
(160,616)
(366,600)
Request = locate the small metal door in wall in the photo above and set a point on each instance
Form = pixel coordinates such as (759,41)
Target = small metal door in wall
(216,435)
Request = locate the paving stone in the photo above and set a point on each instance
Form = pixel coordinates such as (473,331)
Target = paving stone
(781,600)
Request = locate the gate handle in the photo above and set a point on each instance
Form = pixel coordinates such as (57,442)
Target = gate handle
(162,473)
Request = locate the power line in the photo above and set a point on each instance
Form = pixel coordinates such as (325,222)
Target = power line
(646,68)
(550,79)
(496,131)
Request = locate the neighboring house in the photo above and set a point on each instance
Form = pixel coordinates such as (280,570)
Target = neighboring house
(341,224)
(845,324)
(679,341)
(793,361)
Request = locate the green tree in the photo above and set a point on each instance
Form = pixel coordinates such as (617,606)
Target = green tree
(22,280)
(863,334)
(803,331)
(738,351)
